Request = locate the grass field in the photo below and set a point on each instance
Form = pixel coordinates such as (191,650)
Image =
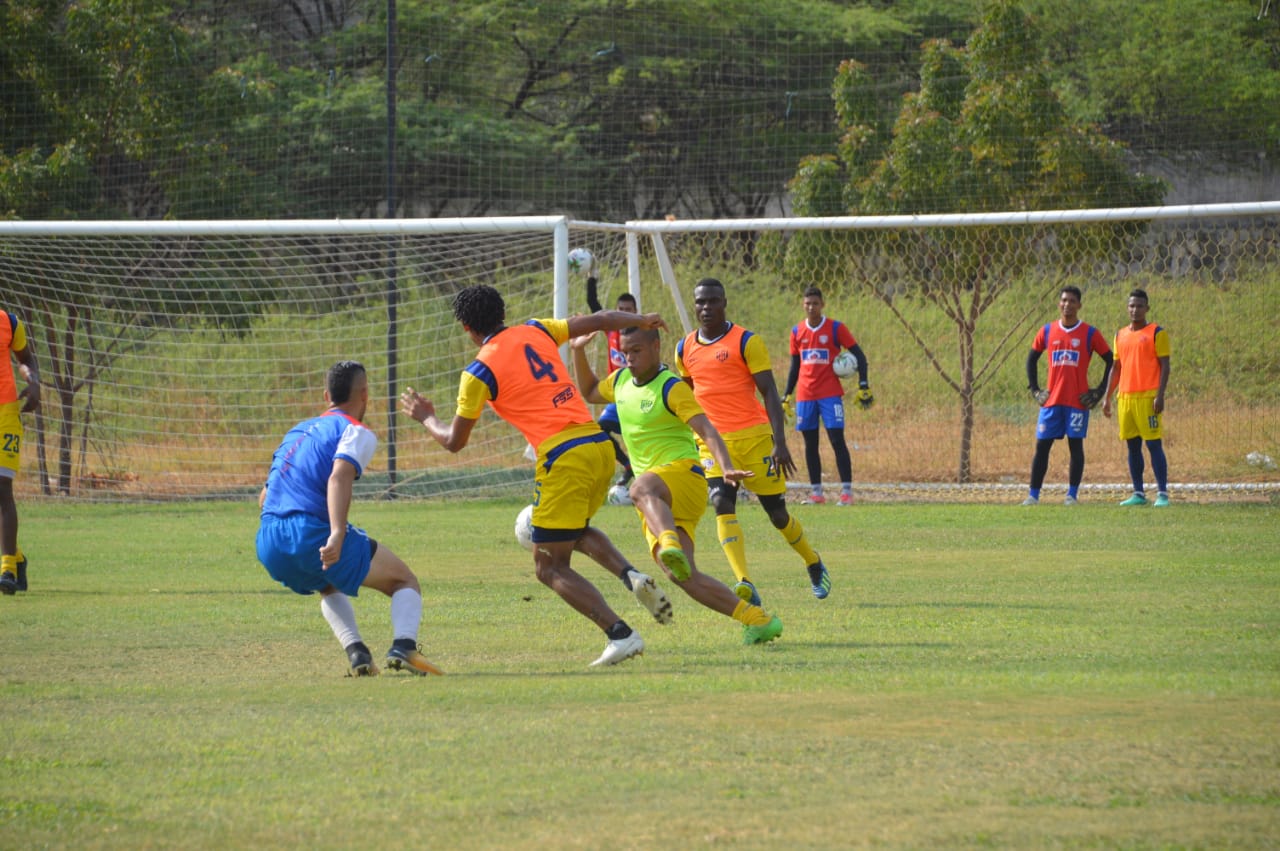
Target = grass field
(982,676)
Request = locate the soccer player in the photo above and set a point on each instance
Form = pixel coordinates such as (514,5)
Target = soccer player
(1064,406)
(727,366)
(815,342)
(659,418)
(304,539)
(13,403)
(1141,375)
(608,418)
(520,374)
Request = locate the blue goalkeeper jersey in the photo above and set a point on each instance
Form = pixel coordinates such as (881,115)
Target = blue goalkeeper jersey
(299,477)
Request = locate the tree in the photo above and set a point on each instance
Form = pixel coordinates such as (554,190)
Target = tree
(984,133)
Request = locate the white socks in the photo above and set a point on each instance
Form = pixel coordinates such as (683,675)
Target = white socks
(341,616)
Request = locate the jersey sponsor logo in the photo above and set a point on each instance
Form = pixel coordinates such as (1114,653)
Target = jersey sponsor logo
(565,395)
(1065,357)
(815,355)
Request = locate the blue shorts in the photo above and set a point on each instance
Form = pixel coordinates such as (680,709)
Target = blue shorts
(830,410)
(608,419)
(289,548)
(1059,421)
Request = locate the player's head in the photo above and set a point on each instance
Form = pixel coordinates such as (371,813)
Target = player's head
(709,303)
(813,304)
(626,303)
(1069,299)
(480,309)
(346,385)
(642,348)
(1138,305)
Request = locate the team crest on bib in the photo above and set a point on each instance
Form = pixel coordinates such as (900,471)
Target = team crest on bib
(646,405)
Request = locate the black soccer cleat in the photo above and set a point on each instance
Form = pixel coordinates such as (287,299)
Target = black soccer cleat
(22,574)
(8,583)
(361,660)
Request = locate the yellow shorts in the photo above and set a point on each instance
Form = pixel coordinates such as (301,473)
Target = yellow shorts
(10,439)
(750,449)
(1137,417)
(571,484)
(688,497)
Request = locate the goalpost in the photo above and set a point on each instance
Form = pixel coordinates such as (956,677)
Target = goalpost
(174,355)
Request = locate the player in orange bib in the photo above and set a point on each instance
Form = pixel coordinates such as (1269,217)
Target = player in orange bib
(727,366)
(13,403)
(1141,375)
(519,373)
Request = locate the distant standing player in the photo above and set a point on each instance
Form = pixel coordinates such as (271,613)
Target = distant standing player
(608,419)
(815,342)
(1141,376)
(1064,406)
(518,371)
(659,419)
(305,541)
(13,403)
(727,366)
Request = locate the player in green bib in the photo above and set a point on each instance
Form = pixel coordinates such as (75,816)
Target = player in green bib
(659,418)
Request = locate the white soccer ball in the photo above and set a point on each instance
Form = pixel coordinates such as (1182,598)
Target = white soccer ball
(845,364)
(579,260)
(620,495)
(524,527)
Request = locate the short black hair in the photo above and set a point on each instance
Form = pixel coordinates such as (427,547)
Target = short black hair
(1137,292)
(646,334)
(1074,290)
(480,308)
(709,282)
(340,379)
(627,296)
(812,291)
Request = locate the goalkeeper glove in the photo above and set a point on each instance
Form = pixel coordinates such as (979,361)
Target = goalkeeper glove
(1041,396)
(864,397)
(788,409)
(1091,397)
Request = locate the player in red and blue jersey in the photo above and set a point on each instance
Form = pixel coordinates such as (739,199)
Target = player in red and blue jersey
(1065,404)
(819,400)
(305,542)
(13,403)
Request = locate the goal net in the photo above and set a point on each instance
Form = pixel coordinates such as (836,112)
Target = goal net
(174,356)
(945,307)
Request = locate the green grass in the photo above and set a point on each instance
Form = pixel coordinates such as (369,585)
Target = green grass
(982,676)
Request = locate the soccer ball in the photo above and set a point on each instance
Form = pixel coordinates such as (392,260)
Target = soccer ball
(580,260)
(619,495)
(845,364)
(524,527)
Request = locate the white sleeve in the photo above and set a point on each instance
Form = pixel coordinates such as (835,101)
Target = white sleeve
(357,446)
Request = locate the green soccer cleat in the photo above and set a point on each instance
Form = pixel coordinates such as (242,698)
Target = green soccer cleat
(762,634)
(746,591)
(675,561)
(1136,499)
(1162,500)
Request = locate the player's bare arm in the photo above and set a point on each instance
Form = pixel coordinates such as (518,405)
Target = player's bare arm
(453,437)
(338,496)
(613,320)
(588,383)
(777,422)
(702,427)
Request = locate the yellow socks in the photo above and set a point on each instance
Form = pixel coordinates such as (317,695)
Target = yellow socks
(749,615)
(793,534)
(735,549)
(9,564)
